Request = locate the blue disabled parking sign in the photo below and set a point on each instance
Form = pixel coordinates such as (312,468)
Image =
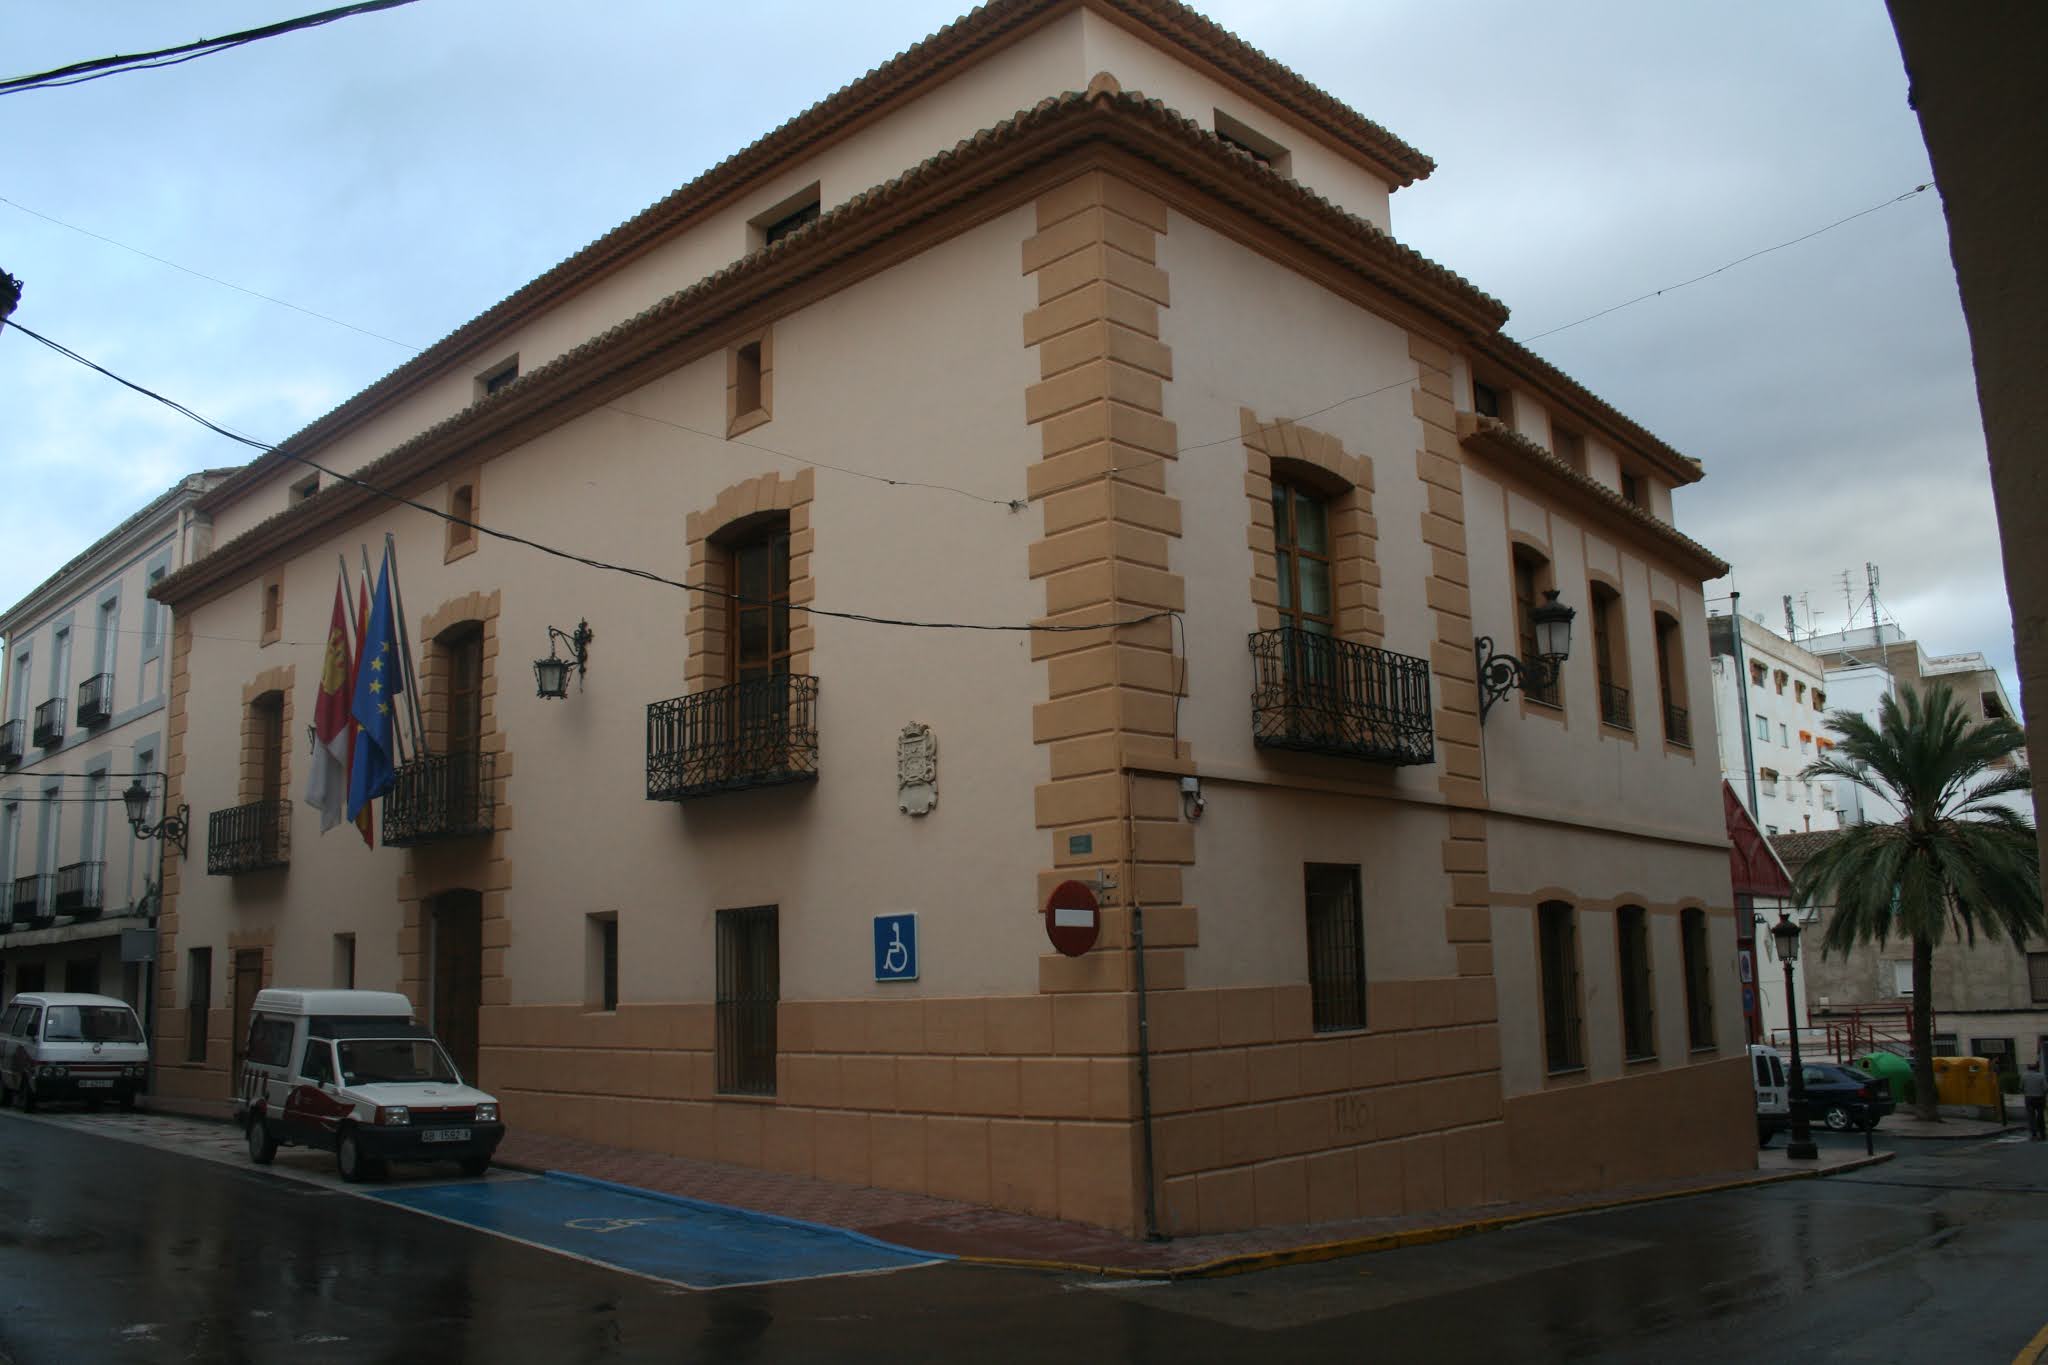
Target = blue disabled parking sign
(896,947)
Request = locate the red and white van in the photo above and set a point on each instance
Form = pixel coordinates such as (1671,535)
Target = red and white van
(355,1073)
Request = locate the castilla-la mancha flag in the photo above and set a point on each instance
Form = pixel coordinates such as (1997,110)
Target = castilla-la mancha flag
(327,788)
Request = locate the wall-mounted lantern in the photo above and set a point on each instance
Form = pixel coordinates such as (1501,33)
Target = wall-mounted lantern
(1500,674)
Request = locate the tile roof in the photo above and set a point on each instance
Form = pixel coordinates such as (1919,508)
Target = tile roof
(1796,848)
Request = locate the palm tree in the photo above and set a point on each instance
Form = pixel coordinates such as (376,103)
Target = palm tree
(1958,863)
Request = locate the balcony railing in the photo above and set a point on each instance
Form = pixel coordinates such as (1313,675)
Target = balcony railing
(35,900)
(441,796)
(1324,695)
(12,734)
(759,733)
(96,699)
(249,838)
(1614,708)
(49,727)
(78,890)
(1677,725)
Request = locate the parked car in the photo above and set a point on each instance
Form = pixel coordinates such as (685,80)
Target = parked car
(57,1045)
(1773,1107)
(354,1073)
(1844,1097)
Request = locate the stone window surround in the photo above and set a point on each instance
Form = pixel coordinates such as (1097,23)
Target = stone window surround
(1316,460)
(705,664)
(250,784)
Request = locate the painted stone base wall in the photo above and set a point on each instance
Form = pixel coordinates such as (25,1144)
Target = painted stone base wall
(1680,1121)
(1259,1120)
(1021,1102)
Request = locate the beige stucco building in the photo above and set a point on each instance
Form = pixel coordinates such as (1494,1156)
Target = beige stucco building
(1080,316)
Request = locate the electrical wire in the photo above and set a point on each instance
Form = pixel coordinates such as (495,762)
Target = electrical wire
(77,73)
(1743,260)
(632,571)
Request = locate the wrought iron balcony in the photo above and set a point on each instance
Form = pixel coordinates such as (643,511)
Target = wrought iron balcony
(1614,707)
(441,796)
(759,733)
(78,890)
(35,900)
(11,736)
(1323,695)
(249,838)
(49,727)
(1677,725)
(96,699)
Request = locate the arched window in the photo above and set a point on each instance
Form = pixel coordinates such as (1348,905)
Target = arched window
(1532,576)
(1699,979)
(1610,658)
(1638,1010)
(1558,954)
(1671,681)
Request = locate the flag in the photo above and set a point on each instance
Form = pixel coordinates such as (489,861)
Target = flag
(363,823)
(379,680)
(327,788)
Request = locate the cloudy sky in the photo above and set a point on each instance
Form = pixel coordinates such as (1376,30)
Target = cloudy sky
(403,170)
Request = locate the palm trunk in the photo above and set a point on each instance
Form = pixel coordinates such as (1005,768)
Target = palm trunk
(1923,1031)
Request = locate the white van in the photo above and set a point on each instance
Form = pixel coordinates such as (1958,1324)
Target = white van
(1773,1099)
(354,1073)
(63,1046)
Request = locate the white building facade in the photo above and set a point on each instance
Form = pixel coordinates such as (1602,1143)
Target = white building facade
(1772,694)
(85,687)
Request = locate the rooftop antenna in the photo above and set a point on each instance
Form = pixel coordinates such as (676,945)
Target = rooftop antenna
(1884,655)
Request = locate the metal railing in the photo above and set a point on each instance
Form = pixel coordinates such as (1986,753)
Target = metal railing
(1323,695)
(35,900)
(441,796)
(96,699)
(249,838)
(1614,707)
(1677,725)
(758,733)
(12,737)
(79,890)
(49,723)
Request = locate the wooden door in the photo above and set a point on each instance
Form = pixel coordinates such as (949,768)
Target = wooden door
(248,981)
(458,976)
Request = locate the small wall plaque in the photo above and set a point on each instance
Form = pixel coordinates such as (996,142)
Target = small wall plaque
(917,770)
(1080,843)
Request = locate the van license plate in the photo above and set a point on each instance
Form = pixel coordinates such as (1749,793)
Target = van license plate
(444,1135)
(95,1085)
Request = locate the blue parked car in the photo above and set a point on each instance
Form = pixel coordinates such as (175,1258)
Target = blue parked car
(1844,1097)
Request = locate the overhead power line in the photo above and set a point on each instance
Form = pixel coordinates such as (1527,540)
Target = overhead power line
(1740,260)
(646,575)
(80,72)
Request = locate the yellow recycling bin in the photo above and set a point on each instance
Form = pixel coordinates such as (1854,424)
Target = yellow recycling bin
(1966,1080)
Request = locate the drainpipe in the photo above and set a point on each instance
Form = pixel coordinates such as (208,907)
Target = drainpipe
(1137,913)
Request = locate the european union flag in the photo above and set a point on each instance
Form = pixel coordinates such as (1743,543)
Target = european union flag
(380,678)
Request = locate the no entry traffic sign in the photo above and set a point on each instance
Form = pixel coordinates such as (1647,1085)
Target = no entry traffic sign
(1071,918)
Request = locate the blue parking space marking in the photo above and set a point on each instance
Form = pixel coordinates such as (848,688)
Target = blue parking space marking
(663,1237)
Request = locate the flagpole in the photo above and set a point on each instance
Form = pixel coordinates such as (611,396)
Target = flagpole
(412,679)
(397,730)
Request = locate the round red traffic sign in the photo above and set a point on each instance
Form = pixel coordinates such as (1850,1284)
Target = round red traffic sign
(1071,918)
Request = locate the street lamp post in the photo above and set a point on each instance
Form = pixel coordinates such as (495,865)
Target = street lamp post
(1800,1146)
(172,829)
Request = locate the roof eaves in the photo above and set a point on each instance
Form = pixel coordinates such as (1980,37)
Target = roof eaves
(1490,434)
(1681,467)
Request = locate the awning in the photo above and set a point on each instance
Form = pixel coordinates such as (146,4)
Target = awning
(1755,868)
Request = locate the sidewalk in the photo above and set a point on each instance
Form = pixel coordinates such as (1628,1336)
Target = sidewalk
(1903,1125)
(993,1237)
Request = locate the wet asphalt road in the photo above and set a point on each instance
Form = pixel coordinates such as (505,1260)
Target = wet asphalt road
(110,1251)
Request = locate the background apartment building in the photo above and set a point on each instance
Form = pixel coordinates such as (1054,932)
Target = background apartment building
(85,687)
(1041,298)
(1769,701)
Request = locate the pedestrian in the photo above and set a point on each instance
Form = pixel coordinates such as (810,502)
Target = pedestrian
(2034,1086)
